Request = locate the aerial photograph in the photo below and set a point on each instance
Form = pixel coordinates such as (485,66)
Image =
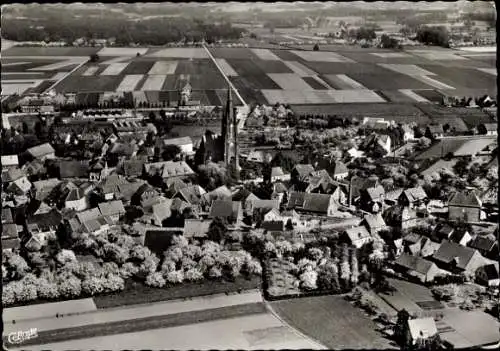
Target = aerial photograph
(249,176)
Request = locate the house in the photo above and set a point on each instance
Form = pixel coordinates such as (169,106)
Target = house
(320,183)
(461,237)
(12,174)
(76,200)
(7,216)
(487,129)
(161,211)
(110,186)
(420,329)
(409,219)
(442,232)
(357,236)
(144,195)
(191,194)
(133,167)
(9,161)
(87,215)
(196,228)
(220,193)
(34,168)
(73,169)
(413,197)
(169,169)
(486,245)
(174,185)
(412,243)
(127,190)
(20,186)
(320,204)
(44,187)
(272,215)
(434,131)
(277,174)
(418,267)
(465,206)
(376,143)
(184,143)
(98,170)
(262,205)
(456,258)
(292,216)
(374,223)
(230,210)
(429,247)
(274,226)
(97,226)
(42,152)
(301,173)
(10,237)
(339,171)
(112,209)
(279,191)
(372,199)
(259,156)
(43,225)
(488,275)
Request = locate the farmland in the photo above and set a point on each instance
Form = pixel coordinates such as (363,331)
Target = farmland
(335,75)
(332,321)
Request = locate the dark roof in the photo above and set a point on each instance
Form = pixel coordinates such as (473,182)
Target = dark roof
(458,235)
(75,194)
(46,220)
(482,243)
(224,208)
(175,184)
(412,238)
(111,208)
(241,194)
(339,168)
(491,271)
(279,188)
(435,128)
(74,169)
(375,193)
(191,194)
(414,263)
(304,170)
(415,194)
(7,216)
(448,251)
(266,204)
(9,231)
(274,226)
(309,202)
(464,198)
(359,183)
(133,168)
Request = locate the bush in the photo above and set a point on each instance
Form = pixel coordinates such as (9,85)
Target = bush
(70,287)
(175,277)
(193,274)
(139,253)
(168,266)
(174,254)
(149,265)
(187,263)
(155,280)
(315,253)
(128,270)
(93,286)
(253,267)
(65,256)
(179,241)
(308,280)
(215,272)
(25,291)
(192,251)
(8,294)
(18,266)
(47,289)
(115,253)
(114,283)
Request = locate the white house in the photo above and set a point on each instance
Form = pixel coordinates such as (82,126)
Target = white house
(76,200)
(9,161)
(42,152)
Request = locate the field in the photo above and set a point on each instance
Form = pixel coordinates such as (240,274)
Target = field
(332,321)
(334,75)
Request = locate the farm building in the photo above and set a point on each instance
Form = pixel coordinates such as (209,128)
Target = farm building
(418,267)
(42,152)
(456,258)
(421,329)
(321,204)
(357,236)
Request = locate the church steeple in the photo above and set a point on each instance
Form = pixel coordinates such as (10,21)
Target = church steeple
(229,133)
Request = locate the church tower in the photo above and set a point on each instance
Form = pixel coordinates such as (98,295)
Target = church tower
(229,133)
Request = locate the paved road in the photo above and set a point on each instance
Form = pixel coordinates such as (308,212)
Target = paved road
(133,312)
(262,331)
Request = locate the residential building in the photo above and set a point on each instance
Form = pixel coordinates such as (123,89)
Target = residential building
(277,174)
(34,168)
(42,152)
(232,211)
(372,199)
(417,267)
(10,237)
(191,194)
(110,186)
(262,205)
(320,204)
(339,171)
(487,129)
(374,223)
(196,228)
(273,215)
(20,186)
(356,236)
(74,169)
(76,200)
(434,131)
(413,197)
(9,161)
(169,169)
(43,225)
(486,245)
(464,206)
(456,258)
(97,226)
(461,237)
(421,329)
(113,209)
(301,173)
(487,275)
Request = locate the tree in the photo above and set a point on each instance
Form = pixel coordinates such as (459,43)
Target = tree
(308,280)
(175,277)
(70,287)
(401,328)
(217,230)
(328,277)
(94,58)
(155,280)
(316,47)
(170,152)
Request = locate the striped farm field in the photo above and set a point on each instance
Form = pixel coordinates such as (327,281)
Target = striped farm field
(389,81)
(116,60)
(130,52)
(74,84)
(412,95)
(90,71)
(114,69)
(226,67)
(395,96)
(459,77)
(410,70)
(138,67)
(390,54)
(129,82)
(317,56)
(315,83)
(289,81)
(232,53)
(154,83)
(343,82)
(195,53)
(163,67)
(321,97)
(48,51)
(265,54)
(299,69)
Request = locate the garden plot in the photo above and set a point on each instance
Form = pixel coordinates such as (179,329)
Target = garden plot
(195,53)
(412,95)
(129,82)
(114,69)
(289,81)
(265,54)
(154,83)
(299,69)
(226,67)
(492,71)
(390,54)
(317,56)
(343,82)
(90,71)
(130,52)
(163,67)
(410,70)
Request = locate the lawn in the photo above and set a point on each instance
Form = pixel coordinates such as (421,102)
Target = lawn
(332,321)
(142,324)
(137,293)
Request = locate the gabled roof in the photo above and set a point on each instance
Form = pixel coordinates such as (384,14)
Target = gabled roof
(280,188)
(491,271)
(175,184)
(357,233)
(134,167)
(46,185)
(192,194)
(415,194)
(196,228)
(316,202)
(374,221)
(169,169)
(435,128)
(275,226)
(127,190)
(46,220)
(448,251)
(9,160)
(393,195)
(412,238)
(75,194)
(265,204)
(414,263)
(12,174)
(179,205)
(241,194)
(7,216)
(466,198)
(225,208)
(304,170)
(41,150)
(482,243)
(221,193)
(458,235)
(23,184)
(85,216)
(93,225)
(277,172)
(422,328)
(111,183)
(74,169)
(290,213)
(251,197)
(339,168)
(9,231)
(111,208)
(376,193)
(162,210)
